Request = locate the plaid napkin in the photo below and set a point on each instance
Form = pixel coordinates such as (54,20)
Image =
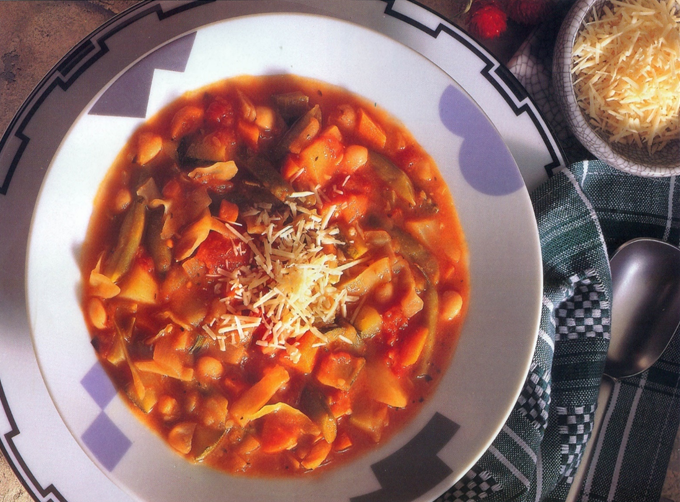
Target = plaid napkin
(584,213)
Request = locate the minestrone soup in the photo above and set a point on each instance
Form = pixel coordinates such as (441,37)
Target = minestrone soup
(274,275)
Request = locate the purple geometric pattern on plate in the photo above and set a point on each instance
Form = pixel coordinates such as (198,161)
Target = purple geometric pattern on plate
(106,441)
(128,96)
(98,384)
(485,161)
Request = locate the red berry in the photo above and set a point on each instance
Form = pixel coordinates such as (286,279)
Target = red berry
(487,19)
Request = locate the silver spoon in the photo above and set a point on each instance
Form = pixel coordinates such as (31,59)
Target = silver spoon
(645,315)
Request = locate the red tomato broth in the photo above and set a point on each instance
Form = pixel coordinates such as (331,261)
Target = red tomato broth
(191,389)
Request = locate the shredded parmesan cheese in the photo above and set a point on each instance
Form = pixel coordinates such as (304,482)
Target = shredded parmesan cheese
(626,67)
(291,286)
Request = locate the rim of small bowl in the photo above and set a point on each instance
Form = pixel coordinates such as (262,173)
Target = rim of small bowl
(594,141)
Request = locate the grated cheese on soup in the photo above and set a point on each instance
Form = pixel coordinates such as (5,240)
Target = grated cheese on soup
(292,283)
(626,64)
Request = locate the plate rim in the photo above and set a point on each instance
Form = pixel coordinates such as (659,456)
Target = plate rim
(68,61)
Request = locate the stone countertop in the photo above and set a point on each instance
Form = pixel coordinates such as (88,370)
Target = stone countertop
(35,35)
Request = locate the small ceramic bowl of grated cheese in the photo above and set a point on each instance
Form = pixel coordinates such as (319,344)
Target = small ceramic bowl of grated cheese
(616,74)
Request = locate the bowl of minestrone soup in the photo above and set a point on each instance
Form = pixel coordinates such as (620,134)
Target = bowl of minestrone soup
(293,275)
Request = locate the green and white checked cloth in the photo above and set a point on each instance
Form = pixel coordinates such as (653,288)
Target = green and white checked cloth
(584,213)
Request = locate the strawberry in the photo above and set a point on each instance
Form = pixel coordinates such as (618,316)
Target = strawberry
(487,19)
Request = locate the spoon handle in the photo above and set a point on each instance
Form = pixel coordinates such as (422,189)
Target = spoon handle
(606,388)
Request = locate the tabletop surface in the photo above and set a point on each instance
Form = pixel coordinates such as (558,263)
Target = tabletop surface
(35,35)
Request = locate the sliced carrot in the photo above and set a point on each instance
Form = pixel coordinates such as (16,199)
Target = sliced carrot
(250,133)
(412,347)
(339,402)
(353,207)
(333,132)
(183,340)
(235,463)
(321,158)
(355,157)
(252,400)
(317,455)
(290,169)
(342,442)
(370,131)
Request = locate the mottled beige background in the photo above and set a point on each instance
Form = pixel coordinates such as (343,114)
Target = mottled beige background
(35,35)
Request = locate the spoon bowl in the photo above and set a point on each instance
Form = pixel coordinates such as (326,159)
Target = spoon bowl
(646,305)
(645,316)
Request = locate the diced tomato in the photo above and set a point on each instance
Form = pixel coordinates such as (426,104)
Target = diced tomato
(339,402)
(218,252)
(394,320)
(393,361)
(220,113)
(343,442)
(278,433)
